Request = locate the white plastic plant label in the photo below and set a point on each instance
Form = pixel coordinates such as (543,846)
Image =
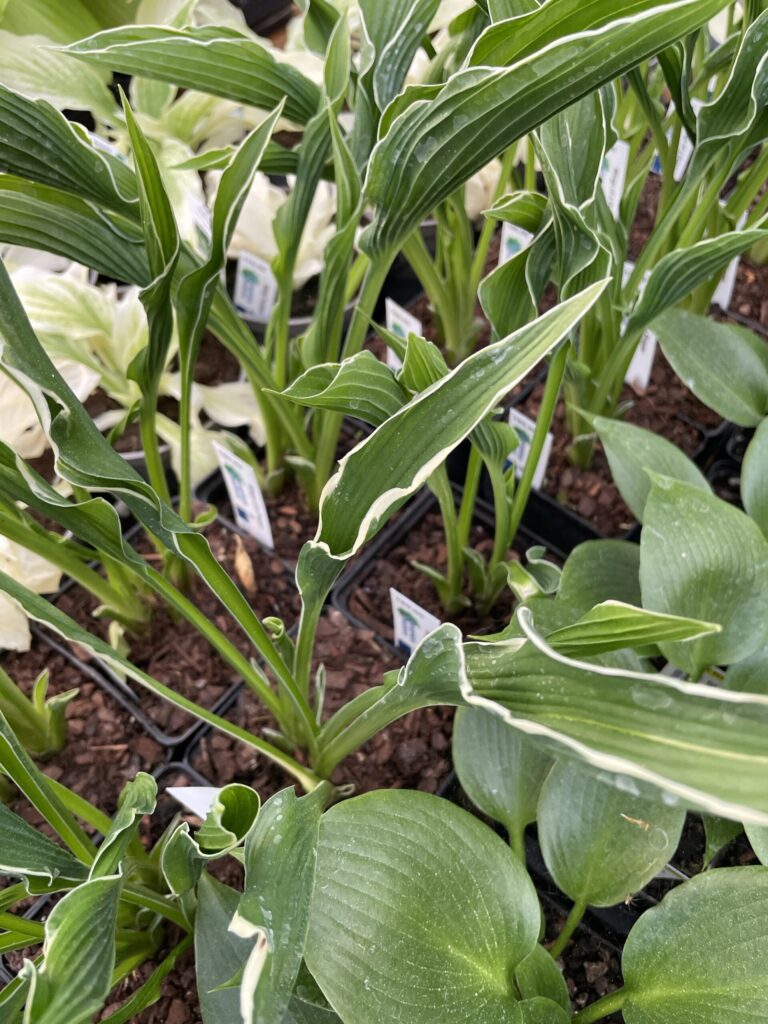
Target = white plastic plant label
(613,175)
(412,622)
(524,427)
(255,292)
(725,289)
(201,218)
(197,799)
(402,323)
(639,371)
(714,676)
(245,496)
(107,147)
(684,148)
(513,240)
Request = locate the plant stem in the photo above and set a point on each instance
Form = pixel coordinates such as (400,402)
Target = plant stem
(441,488)
(543,423)
(469,497)
(570,926)
(12,923)
(152,457)
(602,1008)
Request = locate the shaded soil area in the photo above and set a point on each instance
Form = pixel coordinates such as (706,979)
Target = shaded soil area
(411,753)
(106,746)
(667,408)
(173,651)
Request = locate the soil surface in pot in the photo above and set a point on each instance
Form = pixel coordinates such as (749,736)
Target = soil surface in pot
(370,601)
(172,651)
(412,753)
(591,968)
(667,408)
(106,745)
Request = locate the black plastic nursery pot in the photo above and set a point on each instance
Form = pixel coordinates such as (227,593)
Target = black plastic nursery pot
(395,533)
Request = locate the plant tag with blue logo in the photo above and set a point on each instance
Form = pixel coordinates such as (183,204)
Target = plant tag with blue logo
(513,240)
(248,507)
(412,622)
(402,323)
(255,292)
(524,427)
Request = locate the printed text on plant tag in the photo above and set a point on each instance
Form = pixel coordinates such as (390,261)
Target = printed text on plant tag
(524,428)
(513,240)
(255,287)
(412,622)
(245,496)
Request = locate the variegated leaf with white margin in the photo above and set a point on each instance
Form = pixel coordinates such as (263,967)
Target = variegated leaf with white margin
(438,139)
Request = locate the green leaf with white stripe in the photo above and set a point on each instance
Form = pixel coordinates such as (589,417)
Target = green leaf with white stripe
(359,386)
(211,59)
(614,625)
(138,798)
(420,914)
(75,977)
(724,365)
(633,452)
(27,853)
(678,273)
(438,138)
(703,558)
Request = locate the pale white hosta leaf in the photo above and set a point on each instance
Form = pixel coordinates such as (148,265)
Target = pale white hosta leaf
(229,404)
(481,188)
(15,257)
(34,572)
(255,228)
(29,66)
(203,454)
(184,188)
(19,425)
(718,26)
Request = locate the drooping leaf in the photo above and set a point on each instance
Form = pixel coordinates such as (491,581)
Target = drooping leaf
(499,768)
(420,913)
(724,365)
(359,386)
(604,838)
(702,954)
(703,558)
(633,451)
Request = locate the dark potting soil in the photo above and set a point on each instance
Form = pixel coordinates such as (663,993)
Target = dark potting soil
(667,408)
(106,746)
(173,651)
(215,363)
(412,753)
(591,968)
(370,600)
(750,296)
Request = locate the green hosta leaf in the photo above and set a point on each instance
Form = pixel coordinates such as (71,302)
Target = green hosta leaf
(543,1011)
(525,209)
(604,838)
(420,913)
(27,853)
(280,860)
(718,832)
(725,366)
(220,954)
(359,386)
(385,469)
(613,625)
(741,102)
(437,143)
(500,769)
(702,955)
(137,799)
(749,675)
(758,837)
(538,976)
(212,59)
(633,451)
(754,477)
(32,67)
(63,22)
(697,743)
(678,273)
(703,558)
(45,218)
(601,570)
(79,955)
(46,148)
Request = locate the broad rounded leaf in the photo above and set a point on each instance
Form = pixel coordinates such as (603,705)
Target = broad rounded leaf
(703,558)
(754,477)
(601,840)
(701,957)
(500,769)
(632,450)
(601,570)
(421,914)
(538,976)
(758,837)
